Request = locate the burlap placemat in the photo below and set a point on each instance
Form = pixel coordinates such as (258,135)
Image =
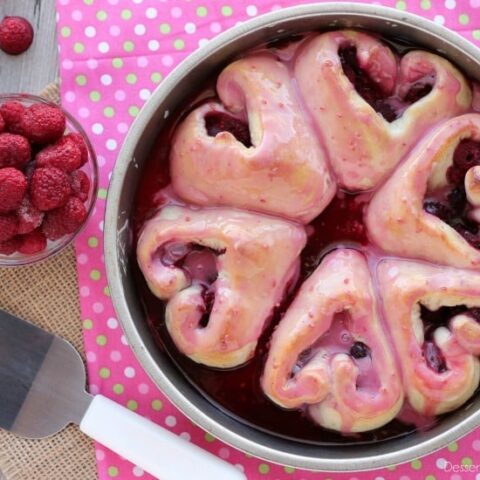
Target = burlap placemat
(47,294)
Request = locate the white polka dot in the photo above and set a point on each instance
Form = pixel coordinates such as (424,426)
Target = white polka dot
(440,19)
(115,356)
(84,291)
(139,29)
(476,445)
(67,64)
(112,323)
(122,127)
(106,79)
(101,160)
(202,42)
(120,95)
(94,389)
(90,31)
(170,421)
(84,112)
(124,340)
(143,388)
(137,471)
(100,226)
(215,27)
(186,436)
(138,1)
(167,60)
(100,455)
(97,128)
(64,2)
(111,144)
(115,30)
(92,63)
(145,94)
(98,307)
(441,463)
(103,47)
(82,259)
(251,10)
(176,12)
(91,357)
(450,4)
(77,15)
(224,453)
(142,61)
(151,13)
(190,28)
(153,45)
(129,372)
(70,96)
(113,2)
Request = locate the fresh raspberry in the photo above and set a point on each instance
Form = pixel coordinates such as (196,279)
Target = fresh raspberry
(15,150)
(16,35)
(64,154)
(13,186)
(29,217)
(80,185)
(10,246)
(49,188)
(43,123)
(2,124)
(33,242)
(80,142)
(64,220)
(12,113)
(8,227)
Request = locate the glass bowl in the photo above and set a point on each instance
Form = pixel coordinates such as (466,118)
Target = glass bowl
(90,168)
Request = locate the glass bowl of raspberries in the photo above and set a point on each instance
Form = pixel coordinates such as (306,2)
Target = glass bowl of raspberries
(48,179)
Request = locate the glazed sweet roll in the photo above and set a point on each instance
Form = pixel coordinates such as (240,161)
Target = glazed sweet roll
(222,272)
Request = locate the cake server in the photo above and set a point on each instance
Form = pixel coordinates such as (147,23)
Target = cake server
(42,389)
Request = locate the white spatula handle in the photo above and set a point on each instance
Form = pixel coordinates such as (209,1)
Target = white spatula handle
(153,448)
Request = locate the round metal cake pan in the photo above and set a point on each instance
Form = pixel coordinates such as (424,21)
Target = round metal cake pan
(173,91)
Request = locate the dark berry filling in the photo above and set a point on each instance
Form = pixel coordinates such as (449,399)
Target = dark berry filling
(359,350)
(216,122)
(390,107)
(434,357)
(208,296)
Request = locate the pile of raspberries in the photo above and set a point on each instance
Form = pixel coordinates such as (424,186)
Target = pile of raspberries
(42,190)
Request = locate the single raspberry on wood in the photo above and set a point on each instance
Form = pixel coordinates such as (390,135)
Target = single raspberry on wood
(12,113)
(49,188)
(33,242)
(8,247)
(43,123)
(13,186)
(80,185)
(15,150)
(64,154)
(8,227)
(29,217)
(16,35)
(64,220)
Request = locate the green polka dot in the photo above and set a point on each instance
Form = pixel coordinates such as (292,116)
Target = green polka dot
(263,468)
(453,447)
(132,405)
(288,470)
(430,477)
(467,461)
(401,5)
(416,464)
(165,28)
(133,110)
(156,77)
(109,112)
(179,44)
(95,275)
(101,15)
(88,2)
(95,96)
(118,388)
(112,471)
(87,324)
(227,11)
(93,242)
(102,193)
(426,4)
(106,291)
(65,32)
(78,47)
(202,11)
(463,19)
(131,78)
(126,14)
(157,405)
(209,437)
(104,372)
(117,63)
(81,80)
(128,46)
(476,34)
(101,340)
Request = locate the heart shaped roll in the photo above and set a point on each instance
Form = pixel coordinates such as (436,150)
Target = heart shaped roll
(396,218)
(256,151)
(439,374)
(329,351)
(363,146)
(222,272)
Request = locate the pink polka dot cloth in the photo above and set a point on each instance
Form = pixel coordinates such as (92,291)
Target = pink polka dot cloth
(114,53)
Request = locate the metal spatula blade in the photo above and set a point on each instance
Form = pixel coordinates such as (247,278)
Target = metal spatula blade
(42,381)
